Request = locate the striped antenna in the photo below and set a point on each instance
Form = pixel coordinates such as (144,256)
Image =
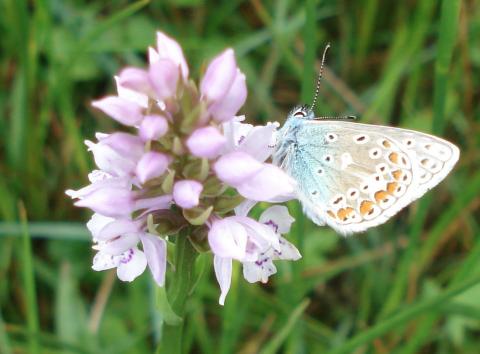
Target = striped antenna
(317,90)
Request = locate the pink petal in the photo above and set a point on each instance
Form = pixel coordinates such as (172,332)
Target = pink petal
(110,160)
(96,223)
(236,168)
(223,273)
(132,264)
(206,142)
(114,182)
(155,249)
(125,112)
(131,95)
(116,228)
(168,48)
(153,127)
(151,165)
(163,76)
(225,108)
(228,238)
(155,203)
(269,183)
(219,76)
(124,143)
(108,201)
(186,193)
(136,80)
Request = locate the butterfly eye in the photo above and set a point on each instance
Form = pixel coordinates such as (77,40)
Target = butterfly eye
(300,114)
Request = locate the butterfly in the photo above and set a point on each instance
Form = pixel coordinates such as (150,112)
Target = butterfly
(352,176)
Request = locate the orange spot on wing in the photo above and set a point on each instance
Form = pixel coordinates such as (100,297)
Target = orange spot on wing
(397,174)
(344,213)
(380,196)
(365,207)
(393,157)
(392,187)
(386,144)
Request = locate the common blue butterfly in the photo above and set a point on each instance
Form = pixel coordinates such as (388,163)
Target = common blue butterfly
(354,176)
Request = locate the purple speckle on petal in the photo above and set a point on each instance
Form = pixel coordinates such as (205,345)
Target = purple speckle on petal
(272,224)
(127,257)
(241,139)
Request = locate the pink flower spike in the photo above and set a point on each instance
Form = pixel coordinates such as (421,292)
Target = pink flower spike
(225,109)
(267,184)
(206,142)
(155,249)
(163,76)
(135,79)
(123,111)
(236,168)
(219,76)
(153,127)
(115,202)
(168,48)
(151,165)
(186,193)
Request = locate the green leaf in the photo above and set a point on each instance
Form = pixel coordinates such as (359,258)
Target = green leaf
(226,203)
(197,216)
(166,311)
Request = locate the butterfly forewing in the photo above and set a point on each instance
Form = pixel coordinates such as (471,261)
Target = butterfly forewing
(354,176)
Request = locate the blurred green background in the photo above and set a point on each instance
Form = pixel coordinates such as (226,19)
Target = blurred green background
(409,286)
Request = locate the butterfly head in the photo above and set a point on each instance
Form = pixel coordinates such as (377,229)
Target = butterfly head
(302,112)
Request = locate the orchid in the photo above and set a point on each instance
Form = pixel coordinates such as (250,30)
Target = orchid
(188,171)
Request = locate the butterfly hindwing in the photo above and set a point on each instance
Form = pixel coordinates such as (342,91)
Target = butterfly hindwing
(354,176)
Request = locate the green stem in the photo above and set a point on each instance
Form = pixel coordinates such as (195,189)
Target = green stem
(179,292)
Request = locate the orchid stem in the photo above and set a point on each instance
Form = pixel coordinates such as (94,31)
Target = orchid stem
(179,292)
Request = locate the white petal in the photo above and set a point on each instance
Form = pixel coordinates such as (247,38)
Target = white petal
(223,272)
(97,222)
(132,263)
(103,261)
(155,249)
(262,235)
(277,216)
(244,208)
(119,245)
(269,183)
(227,238)
(259,270)
(259,142)
(287,251)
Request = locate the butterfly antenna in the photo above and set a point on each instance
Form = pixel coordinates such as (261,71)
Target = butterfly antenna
(319,80)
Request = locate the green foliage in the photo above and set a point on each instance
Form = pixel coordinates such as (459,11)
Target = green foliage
(409,286)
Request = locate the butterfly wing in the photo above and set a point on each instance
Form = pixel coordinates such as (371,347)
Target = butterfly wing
(354,176)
